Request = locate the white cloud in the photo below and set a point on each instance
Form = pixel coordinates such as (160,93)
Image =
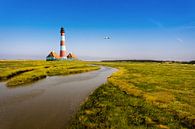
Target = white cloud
(190,25)
(180,40)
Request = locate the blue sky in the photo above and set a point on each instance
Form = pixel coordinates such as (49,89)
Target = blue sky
(139,29)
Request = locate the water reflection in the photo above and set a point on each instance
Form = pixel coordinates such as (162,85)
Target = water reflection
(49,103)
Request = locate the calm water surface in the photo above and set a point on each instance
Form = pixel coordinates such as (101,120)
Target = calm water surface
(49,103)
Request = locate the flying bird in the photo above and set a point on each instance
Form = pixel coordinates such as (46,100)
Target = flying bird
(106,37)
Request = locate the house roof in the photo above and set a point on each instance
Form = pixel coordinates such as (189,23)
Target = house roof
(53,54)
(71,55)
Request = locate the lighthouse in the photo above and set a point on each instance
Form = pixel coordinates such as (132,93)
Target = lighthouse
(63,53)
(62,44)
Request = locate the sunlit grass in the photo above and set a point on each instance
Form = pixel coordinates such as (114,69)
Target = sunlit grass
(23,72)
(142,95)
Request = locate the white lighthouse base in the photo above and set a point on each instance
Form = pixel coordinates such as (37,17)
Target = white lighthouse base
(63,58)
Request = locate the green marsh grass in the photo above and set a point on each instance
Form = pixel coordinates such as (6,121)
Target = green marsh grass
(17,73)
(142,95)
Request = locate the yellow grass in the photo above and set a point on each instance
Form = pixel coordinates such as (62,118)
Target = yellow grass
(22,72)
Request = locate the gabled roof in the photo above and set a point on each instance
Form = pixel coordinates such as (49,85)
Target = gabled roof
(53,54)
(71,55)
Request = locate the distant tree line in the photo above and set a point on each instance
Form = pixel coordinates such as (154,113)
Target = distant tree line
(191,62)
(158,61)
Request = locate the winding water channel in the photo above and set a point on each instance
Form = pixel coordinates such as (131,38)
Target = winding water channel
(48,103)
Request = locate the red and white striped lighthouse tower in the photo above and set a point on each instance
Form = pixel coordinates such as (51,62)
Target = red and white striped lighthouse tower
(62,44)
